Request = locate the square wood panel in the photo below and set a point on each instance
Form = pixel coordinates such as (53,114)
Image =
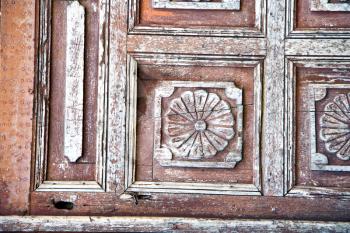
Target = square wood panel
(207,18)
(193,125)
(318,155)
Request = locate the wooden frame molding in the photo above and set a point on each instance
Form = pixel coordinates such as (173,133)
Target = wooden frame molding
(289,170)
(259,29)
(325,5)
(291,31)
(197,5)
(41,108)
(161,224)
(132,185)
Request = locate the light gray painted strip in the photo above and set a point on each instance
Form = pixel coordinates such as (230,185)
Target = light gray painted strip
(273,107)
(74,95)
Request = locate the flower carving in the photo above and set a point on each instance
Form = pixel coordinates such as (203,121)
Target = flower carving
(199,125)
(335,126)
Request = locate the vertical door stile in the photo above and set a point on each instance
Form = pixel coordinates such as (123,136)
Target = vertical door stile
(273,108)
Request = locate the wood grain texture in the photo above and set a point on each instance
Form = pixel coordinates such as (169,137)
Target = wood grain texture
(17,50)
(273,129)
(154,224)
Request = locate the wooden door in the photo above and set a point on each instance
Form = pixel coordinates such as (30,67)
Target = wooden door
(212,109)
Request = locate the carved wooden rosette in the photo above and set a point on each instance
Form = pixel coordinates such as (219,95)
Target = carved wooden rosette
(334,127)
(199,124)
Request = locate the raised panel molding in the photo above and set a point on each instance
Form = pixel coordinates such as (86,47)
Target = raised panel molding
(166,156)
(318,162)
(207,120)
(198,4)
(259,29)
(326,5)
(74,89)
(74,98)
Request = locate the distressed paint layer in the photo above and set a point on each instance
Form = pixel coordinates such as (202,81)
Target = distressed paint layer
(74,97)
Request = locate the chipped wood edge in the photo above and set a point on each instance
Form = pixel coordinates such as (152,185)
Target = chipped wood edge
(162,224)
(41,109)
(258,31)
(188,60)
(290,188)
(291,31)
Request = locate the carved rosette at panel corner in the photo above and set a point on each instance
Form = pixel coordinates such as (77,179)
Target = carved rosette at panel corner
(335,126)
(199,125)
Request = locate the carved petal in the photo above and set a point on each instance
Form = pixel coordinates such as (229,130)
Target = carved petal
(212,101)
(178,107)
(223,132)
(188,99)
(208,149)
(218,142)
(185,146)
(200,100)
(181,140)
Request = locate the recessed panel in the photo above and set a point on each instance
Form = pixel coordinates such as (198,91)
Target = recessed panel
(320,125)
(212,17)
(196,124)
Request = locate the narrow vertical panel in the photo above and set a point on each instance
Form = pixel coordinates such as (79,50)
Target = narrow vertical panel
(74,90)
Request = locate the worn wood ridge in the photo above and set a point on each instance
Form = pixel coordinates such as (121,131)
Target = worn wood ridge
(161,224)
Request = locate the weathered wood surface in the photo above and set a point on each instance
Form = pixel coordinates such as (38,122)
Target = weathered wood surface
(186,205)
(154,224)
(303,201)
(145,19)
(74,89)
(312,84)
(273,132)
(17,54)
(197,45)
(320,47)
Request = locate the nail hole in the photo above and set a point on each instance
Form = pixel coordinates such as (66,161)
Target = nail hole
(65,205)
